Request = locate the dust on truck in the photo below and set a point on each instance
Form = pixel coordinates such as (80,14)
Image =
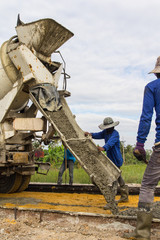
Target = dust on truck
(25,64)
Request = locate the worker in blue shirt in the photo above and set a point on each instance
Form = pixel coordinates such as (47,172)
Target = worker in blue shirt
(151,177)
(68,162)
(112,148)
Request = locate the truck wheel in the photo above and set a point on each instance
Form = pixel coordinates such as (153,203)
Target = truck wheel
(24,184)
(10,184)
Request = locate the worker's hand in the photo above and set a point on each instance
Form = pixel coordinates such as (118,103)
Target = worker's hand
(87,134)
(140,153)
(100,149)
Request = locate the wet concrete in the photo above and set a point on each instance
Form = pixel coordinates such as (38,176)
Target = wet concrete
(91,204)
(132,211)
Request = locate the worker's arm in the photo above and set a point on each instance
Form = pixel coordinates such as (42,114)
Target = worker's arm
(99,135)
(144,124)
(146,116)
(112,141)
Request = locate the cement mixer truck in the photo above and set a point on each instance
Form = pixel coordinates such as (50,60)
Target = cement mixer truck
(25,64)
(30,83)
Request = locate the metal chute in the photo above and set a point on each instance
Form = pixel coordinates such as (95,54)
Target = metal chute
(45,35)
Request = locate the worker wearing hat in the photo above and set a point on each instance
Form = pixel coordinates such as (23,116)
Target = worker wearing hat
(151,176)
(112,148)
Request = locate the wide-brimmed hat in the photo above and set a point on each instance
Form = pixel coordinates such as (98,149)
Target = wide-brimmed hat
(157,66)
(108,123)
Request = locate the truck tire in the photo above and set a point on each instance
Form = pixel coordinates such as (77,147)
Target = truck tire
(25,182)
(10,184)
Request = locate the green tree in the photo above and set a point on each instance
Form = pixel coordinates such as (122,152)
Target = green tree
(54,154)
(129,157)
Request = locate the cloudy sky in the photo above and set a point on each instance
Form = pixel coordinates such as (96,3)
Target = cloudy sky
(115,45)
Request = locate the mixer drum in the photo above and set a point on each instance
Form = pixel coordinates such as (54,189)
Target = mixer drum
(8,76)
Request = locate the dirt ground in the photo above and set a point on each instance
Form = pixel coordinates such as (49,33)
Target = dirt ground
(73,228)
(67,228)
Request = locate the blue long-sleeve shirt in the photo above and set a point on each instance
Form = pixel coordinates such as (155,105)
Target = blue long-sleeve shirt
(69,155)
(151,101)
(112,145)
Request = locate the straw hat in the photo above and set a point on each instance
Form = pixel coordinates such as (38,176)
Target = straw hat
(108,123)
(157,66)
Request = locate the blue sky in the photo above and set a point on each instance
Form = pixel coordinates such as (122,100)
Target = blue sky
(115,45)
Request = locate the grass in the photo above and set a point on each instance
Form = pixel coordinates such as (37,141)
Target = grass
(130,173)
(133,173)
(80,176)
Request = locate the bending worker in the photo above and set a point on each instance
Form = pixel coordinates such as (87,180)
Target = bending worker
(68,162)
(112,148)
(151,176)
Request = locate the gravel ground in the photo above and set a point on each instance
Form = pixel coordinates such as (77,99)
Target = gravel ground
(67,228)
(71,229)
